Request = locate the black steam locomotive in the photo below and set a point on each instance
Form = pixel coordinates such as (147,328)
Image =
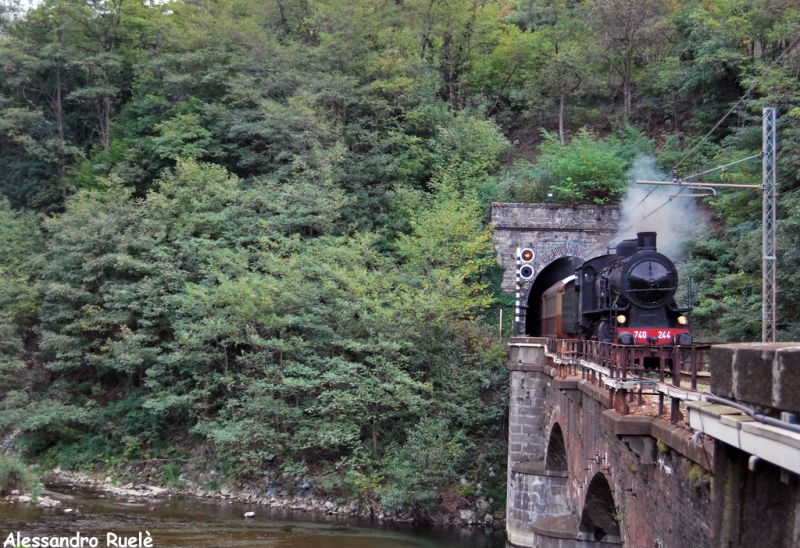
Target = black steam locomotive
(624,298)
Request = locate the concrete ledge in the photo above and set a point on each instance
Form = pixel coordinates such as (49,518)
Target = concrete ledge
(681,440)
(566,384)
(526,354)
(557,527)
(625,425)
(597,393)
(565,527)
(536,468)
(776,445)
(528,367)
(763,374)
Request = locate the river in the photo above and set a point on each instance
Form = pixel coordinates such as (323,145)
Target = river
(191,523)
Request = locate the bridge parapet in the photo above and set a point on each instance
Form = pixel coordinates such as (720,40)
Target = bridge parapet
(623,477)
(752,416)
(618,470)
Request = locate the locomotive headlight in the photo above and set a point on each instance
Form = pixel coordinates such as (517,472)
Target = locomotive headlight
(682,320)
(621,318)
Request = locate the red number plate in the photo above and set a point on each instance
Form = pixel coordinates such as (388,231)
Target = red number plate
(645,335)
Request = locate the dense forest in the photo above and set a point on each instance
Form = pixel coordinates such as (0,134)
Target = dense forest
(251,235)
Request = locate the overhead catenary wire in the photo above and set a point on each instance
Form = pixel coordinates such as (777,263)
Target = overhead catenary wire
(752,88)
(759,155)
(741,99)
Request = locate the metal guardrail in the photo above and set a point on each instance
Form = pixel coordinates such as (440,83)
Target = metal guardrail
(630,372)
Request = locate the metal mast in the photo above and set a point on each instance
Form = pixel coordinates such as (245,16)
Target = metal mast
(770,225)
(517,293)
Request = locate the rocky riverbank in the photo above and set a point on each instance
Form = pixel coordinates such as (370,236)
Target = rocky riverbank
(305,499)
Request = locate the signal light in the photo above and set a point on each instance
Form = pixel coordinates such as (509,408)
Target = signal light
(527,255)
(526,272)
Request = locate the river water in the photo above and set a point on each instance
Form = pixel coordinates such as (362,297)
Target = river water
(192,523)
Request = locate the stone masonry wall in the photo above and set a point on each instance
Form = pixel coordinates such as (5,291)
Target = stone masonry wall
(647,482)
(545,226)
(758,506)
(661,490)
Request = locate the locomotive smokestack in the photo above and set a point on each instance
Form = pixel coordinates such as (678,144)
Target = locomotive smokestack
(646,240)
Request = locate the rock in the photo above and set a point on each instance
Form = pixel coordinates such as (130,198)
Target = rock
(46,502)
(225,491)
(128,486)
(482,505)
(328,504)
(249,515)
(492,474)
(108,479)
(24,498)
(157,491)
(15,492)
(466,515)
(491,501)
(463,481)
(353,505)
(488,519)
(68,510)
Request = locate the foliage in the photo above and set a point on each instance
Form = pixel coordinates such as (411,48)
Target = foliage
(587,170)
(14,475)
(257,231)
(21,241)
(431,458)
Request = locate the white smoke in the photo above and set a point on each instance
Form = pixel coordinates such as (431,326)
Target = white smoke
(644,210)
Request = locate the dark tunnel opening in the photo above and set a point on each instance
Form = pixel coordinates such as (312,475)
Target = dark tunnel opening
(552,273)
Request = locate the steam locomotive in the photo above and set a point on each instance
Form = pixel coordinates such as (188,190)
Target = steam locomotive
(625,297)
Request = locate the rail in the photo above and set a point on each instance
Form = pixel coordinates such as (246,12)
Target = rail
(634,373)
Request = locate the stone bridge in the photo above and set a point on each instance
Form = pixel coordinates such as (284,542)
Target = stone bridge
(582,475)
(562,237)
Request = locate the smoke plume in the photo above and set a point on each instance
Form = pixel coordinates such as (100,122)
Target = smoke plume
(642,211)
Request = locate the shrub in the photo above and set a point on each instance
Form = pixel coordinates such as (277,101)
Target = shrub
(430,458)
(588,170)
(14,475)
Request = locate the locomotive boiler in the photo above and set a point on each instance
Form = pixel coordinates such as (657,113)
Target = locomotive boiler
(626,297)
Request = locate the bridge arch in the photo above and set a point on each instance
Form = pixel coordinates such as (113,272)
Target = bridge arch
(556,455)
(599,519)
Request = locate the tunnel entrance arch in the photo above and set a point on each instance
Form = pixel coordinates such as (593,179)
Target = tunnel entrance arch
(551,274)
(551,266)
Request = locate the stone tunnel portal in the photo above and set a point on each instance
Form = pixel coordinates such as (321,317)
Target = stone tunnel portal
(552,273)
